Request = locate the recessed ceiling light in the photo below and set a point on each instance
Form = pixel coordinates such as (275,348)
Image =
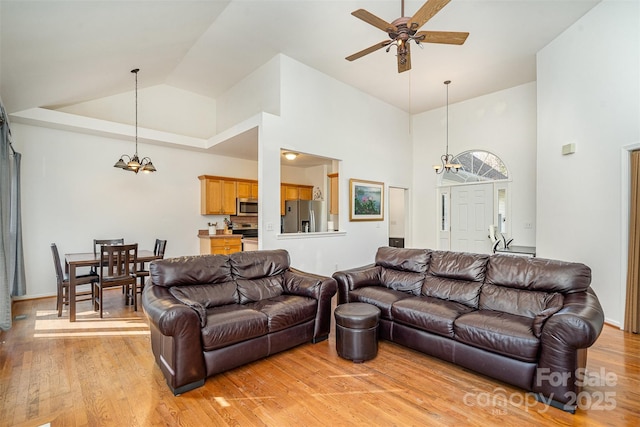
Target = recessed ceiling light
(290,155)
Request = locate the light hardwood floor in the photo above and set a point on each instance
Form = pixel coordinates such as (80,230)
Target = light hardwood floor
(102,373)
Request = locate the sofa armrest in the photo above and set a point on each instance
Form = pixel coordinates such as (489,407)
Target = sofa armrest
(349,280)
(320,288)
(178,346)
(578,323)
(565,337)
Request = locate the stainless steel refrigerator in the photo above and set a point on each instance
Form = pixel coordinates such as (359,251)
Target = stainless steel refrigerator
(302,216)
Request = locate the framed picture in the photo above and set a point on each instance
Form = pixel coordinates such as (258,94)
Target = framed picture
(366,200)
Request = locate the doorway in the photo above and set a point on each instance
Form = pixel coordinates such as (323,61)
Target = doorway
(397,216)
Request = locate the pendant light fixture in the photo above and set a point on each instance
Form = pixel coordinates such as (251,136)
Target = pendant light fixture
(134,164)
(447,159)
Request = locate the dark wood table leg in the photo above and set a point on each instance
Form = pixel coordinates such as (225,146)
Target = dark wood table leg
(72,293)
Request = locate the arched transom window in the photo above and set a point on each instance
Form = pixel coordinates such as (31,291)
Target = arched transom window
(477,166)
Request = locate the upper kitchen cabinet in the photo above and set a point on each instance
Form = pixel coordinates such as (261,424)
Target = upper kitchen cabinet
(294,192)
(333,193)
(247,189)
(217,195)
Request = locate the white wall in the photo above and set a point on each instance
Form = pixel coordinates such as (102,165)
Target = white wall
(71,194)
(257,93)
(503,123)
(588,94)
(324,117)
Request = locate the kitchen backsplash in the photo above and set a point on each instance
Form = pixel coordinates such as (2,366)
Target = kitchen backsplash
(243,219)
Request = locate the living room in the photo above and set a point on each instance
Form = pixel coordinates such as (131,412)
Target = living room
(586,92)
(537,119)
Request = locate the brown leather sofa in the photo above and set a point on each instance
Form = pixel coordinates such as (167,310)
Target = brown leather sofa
(525,321)
(212,313)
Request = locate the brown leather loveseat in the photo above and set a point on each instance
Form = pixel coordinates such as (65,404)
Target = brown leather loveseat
(525,321)
(212,313)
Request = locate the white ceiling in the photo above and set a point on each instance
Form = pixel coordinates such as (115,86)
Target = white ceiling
(55,53)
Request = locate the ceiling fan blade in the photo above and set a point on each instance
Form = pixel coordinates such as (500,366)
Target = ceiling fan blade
(426,12)
(368,50)
(372,19)
(446,37)
(404,61)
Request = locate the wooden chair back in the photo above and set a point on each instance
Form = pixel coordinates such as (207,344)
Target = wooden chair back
(118,264)
(160,247)
(99,242)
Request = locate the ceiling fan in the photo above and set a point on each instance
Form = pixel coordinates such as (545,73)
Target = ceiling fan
(404,29)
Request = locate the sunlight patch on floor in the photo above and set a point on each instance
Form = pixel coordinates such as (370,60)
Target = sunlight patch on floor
(391,390)
(350,375)
(47,326)
(224,402)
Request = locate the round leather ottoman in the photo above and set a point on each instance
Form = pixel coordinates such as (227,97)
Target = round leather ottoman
(357,331)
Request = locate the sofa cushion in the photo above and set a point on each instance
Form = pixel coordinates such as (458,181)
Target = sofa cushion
(498,332)
(201,297)
(429,314)
(415,260)
(259,289)
(379,296)
(190,270)
(532,304)
(458,265)
(462,291)
(257,264)
(230,324)
(405,281)
(285,311)
(537,274)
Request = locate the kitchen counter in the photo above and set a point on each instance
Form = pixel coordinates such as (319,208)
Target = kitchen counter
(224,244)
(250,244)
(204,234)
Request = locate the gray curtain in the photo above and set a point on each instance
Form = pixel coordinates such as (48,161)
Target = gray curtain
(12,277)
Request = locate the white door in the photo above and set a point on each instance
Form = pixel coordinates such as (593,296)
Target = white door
(471,215)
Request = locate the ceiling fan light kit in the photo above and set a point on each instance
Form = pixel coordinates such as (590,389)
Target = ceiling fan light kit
(405,29)
(134,164)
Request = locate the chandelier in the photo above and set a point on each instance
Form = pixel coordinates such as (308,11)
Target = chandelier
(134,164)
(447,159)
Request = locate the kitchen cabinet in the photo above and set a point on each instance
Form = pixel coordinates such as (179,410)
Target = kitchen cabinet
(247,189)
(217,195)
(294,192)
(333,192)
(305,192)
(220,244)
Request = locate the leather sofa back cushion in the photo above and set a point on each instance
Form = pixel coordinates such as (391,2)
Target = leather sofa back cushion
(532,304)
(538,274)
(458,265)
(201,297)
(190,270)
(415,260)
(405,281)
(259,289)
(462,291)
(257,264)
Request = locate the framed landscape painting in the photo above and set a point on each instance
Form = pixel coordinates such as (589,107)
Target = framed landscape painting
(366,200)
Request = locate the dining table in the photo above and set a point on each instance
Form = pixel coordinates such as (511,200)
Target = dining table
(89,259)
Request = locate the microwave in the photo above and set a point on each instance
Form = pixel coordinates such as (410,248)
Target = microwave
(247,207)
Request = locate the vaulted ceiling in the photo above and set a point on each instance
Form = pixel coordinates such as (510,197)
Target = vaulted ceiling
(56,53)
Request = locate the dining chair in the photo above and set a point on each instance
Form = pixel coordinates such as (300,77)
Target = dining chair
(63,283)
(117,268)
(143,271)
(99,242)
